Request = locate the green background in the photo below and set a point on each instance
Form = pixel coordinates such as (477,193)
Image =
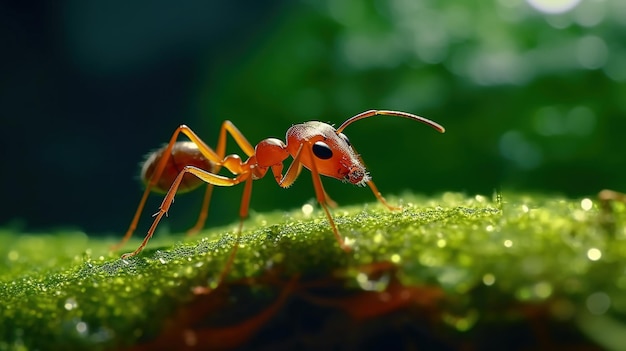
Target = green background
(531,100)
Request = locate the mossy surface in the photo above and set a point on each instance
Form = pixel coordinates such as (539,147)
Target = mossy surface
(487,255)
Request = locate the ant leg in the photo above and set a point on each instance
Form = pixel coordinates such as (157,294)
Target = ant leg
(248,149)
(133,223)
(321,195)
(277,171)
(243,213)
(380,198)
(293,171)
(332,203)
(206,176)
(370,182)
(244,144)
(205,150)
(240,139)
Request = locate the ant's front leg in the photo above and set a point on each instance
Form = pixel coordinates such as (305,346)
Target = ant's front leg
(292,173)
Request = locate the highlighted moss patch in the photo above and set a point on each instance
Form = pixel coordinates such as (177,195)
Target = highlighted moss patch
(490,258)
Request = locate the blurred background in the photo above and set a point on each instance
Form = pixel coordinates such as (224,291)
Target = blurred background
(532,93)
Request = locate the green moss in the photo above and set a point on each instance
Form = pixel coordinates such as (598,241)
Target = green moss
(69,291)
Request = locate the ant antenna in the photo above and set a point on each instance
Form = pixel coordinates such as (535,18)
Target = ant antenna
(372,113)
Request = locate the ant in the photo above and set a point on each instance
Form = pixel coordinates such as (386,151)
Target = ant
(315,145)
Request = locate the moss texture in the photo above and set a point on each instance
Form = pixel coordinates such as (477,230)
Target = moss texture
(482,263)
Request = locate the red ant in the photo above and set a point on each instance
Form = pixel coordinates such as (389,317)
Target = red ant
(315,145)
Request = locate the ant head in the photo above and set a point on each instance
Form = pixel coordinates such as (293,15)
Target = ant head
(332,154)
(331,151)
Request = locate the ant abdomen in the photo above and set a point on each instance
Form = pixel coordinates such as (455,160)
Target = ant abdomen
(184,153)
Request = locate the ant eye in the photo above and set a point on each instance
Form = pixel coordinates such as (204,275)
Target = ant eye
(321,150)
(344,138)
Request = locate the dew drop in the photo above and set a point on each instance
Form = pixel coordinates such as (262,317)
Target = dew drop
(82,328)
(70,304)
(594,254)
(349,242)
(489,279)
(369,284)
(441,243)
(598,303)
(462,322)
(542,290)
(13,255)
(307,209)
(395,258)
(378,238)
(586,204)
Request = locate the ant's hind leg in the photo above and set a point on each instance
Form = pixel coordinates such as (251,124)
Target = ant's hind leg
(380,198)
(205,176)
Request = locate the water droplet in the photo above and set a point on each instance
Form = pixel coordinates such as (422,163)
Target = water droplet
(82,328)
(307,209)
(594,254)
(489,279)
(13,255)
(586,204)
(378,238)
(349,242)
(598,303)
(70,304)
(373,284)
(461,323)
(542,290)
(441,243)
(395,258)
(188,271)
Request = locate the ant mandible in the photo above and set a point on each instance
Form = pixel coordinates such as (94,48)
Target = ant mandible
(315,145)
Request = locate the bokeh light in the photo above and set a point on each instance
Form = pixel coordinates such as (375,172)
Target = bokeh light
(553,6)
